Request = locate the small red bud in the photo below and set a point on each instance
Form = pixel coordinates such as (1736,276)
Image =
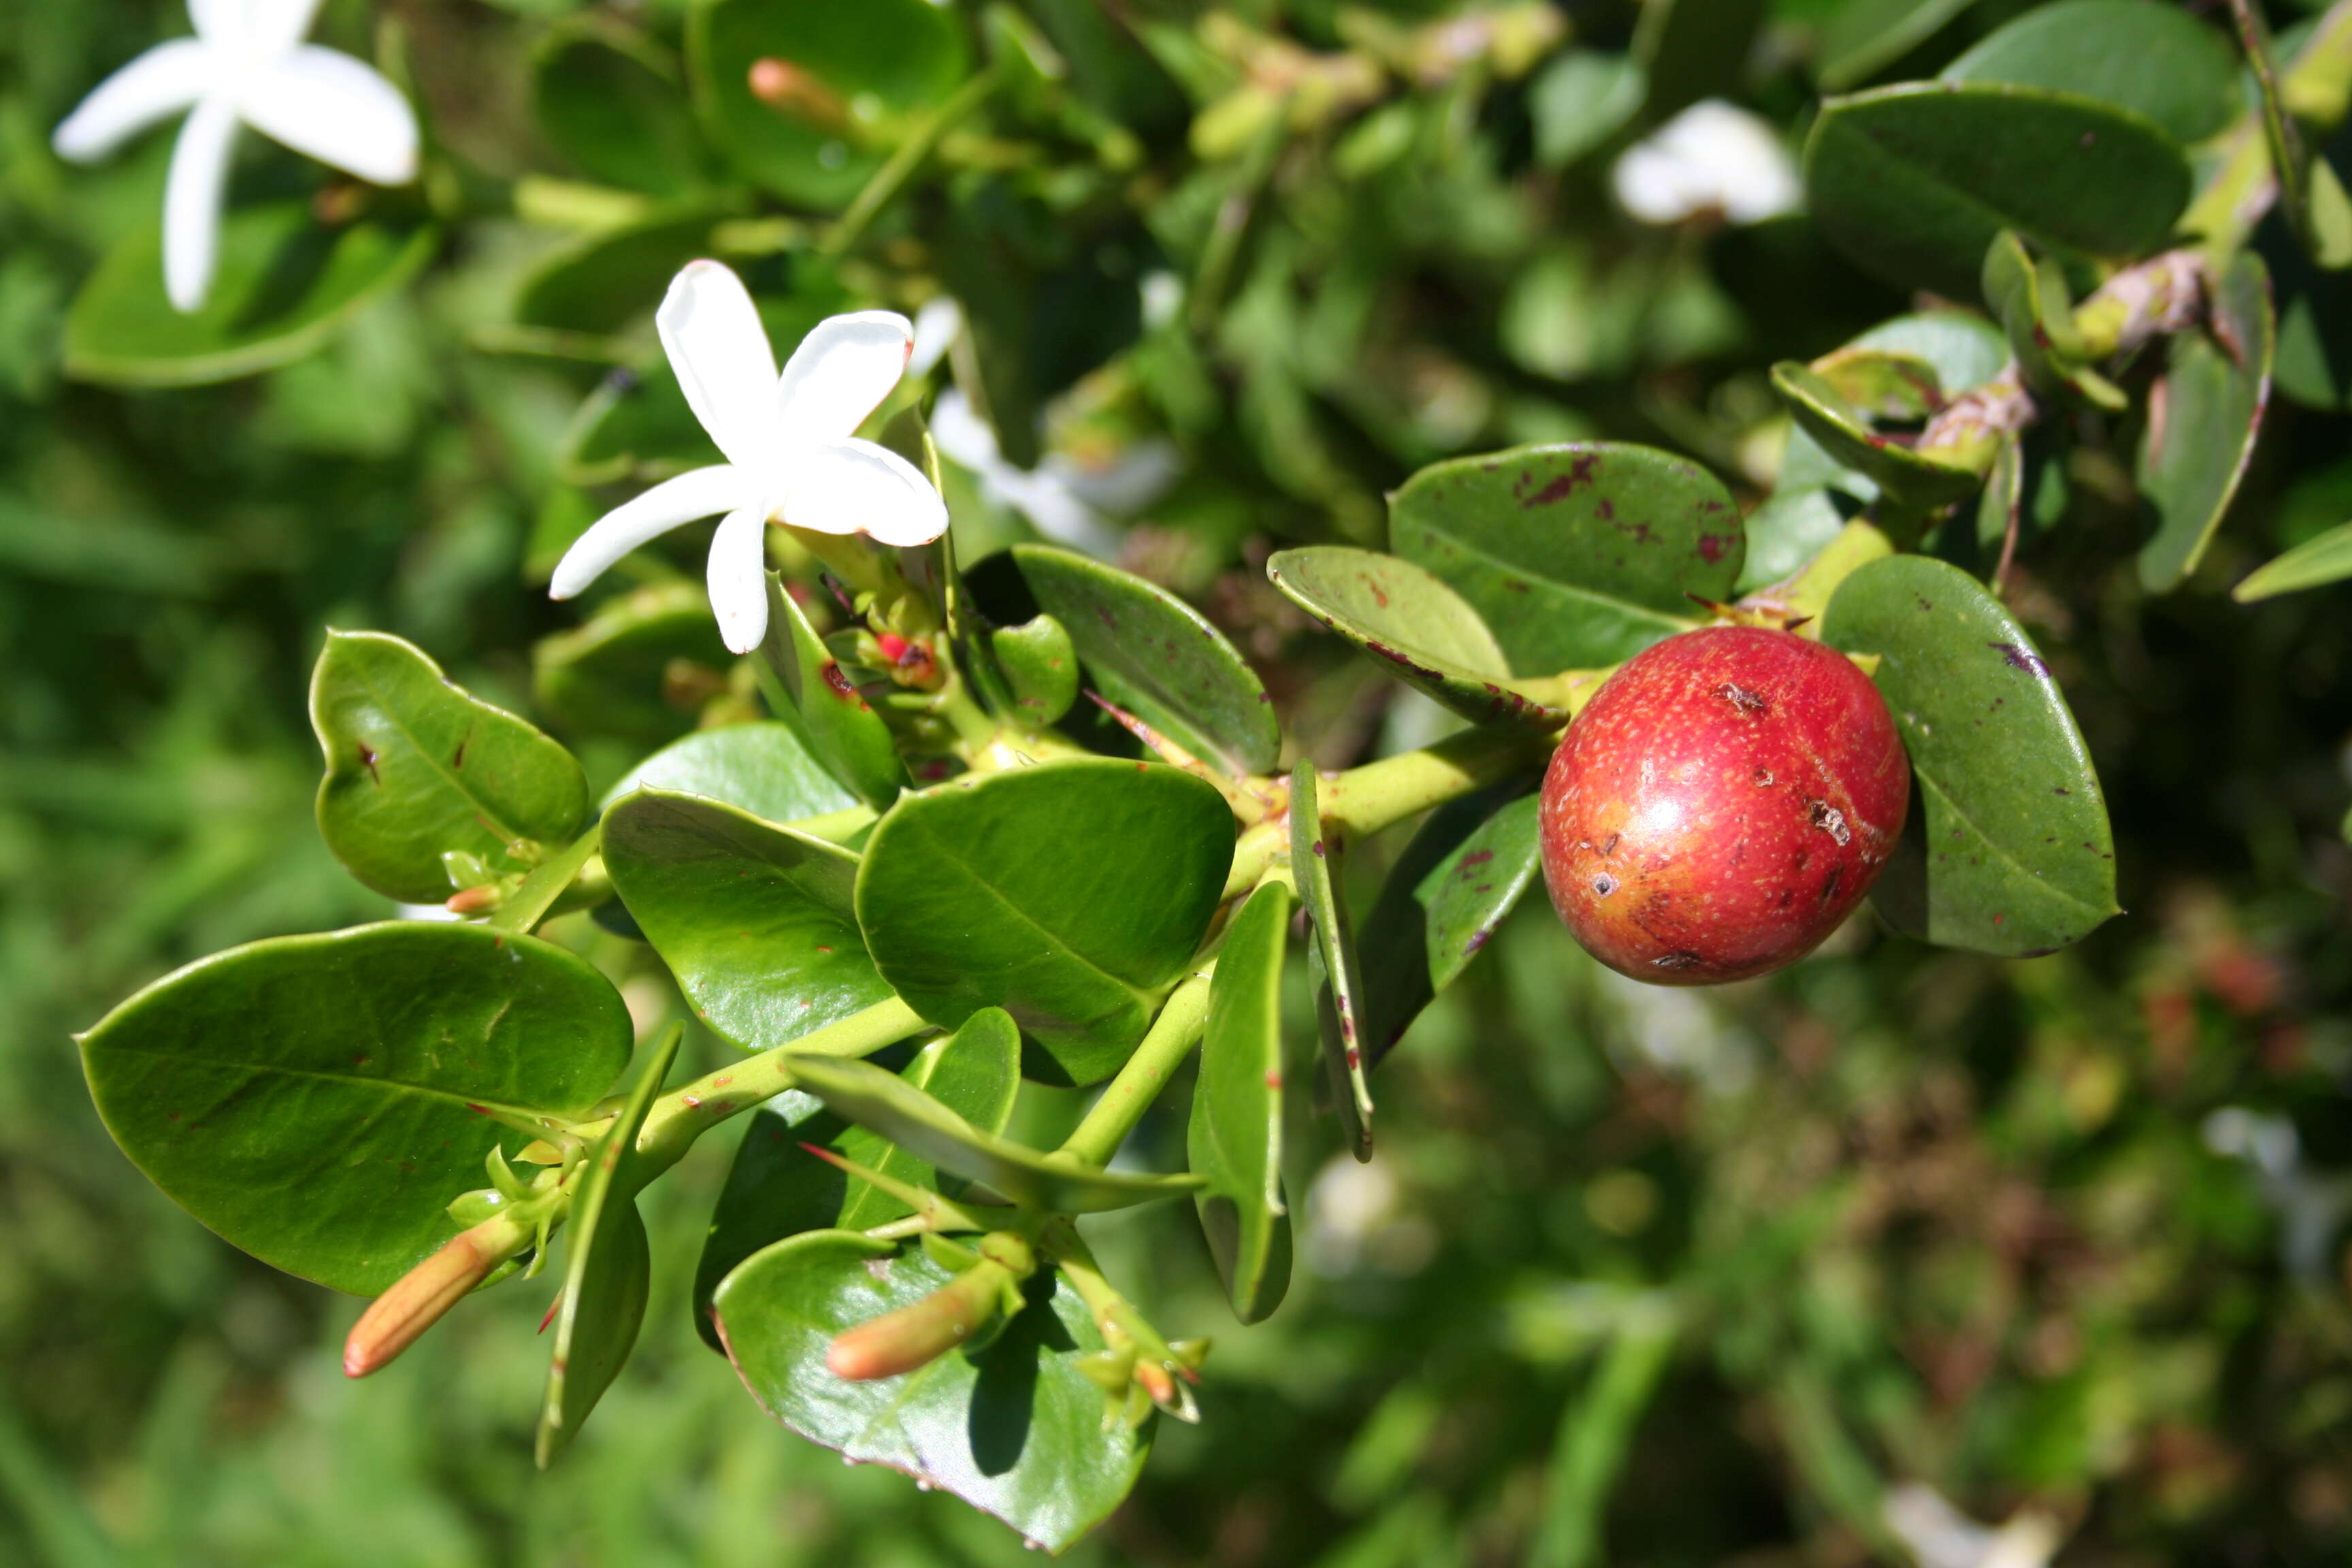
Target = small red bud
(893,646)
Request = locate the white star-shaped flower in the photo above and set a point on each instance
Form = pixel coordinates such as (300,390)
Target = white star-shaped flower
(248,64)
(1712,157)
(791,456)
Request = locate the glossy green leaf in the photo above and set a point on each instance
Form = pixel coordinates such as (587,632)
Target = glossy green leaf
(1396,948)
(885,1103)
(1234,1139)
(635,669)
(1157,657)
(1014,1428)
(2311,565)
(1338,977)
(761,767)
(284,282)
(776,1188)
(1914,182)
(318,1100)
(2008,850)
(1470,891)
(2204,416)
(863,70)
(417,768)
(604,281)
(607,1267)
(2157,60)
(1911,479)
(1963,348)
(1578,555)
(755,921)
(1040,665)
(1866,36)
(612,101)
(1413,626)
(1790,529)
(1881,384)
(808,689)
(1691,50)
(1072,894)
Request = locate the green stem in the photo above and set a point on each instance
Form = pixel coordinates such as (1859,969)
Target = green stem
(902,164)
(681,1116)
(1173,1035)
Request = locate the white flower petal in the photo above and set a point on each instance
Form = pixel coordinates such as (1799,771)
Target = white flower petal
(850,486)
(704,492)
(711,332)
(273,27)
(841,372)
(218,21)
(164,80)
(936,326)
(1712,157)
(192,194)
(339,111)
(962,437)
(738,576)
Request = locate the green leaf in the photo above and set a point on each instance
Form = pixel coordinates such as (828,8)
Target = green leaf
(1790,529)
(2311,565)
(607,1270)
(1073,894)
(1234,1139)
(1014,1428)
(611,100)
(1912,480)
(544,887)
(1157,656)
(1578,555)
(1581,100)
(2030,300)
(1397,949)
(1413,626)
(619,673)
(283,284)
(761,767)
(755,921)
(866,68)
(636,426)
(2157,59)
(881,1100)
(417,768)
(1468,894)
(2309,191)
(1339,978)
(808,690)
(317,1101)
(1040,666)
(777,1189)
(602,282)
(1914,182)
(1964,349)
(2007,850)
(2204,416)
(1867,35)
(1691,50)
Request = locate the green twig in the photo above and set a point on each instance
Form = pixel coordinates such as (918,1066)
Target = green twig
(1172,1036)
(902,164)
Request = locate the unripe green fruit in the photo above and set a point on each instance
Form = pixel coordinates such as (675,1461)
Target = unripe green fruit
(1722,803)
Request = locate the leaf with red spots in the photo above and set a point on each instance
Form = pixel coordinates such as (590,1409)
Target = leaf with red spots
(2007,850)
(1234,1139)
(1577,556)
(607,1267)
(318,1100)
(1468,894)
(1157,657)
(1337,978)
(419,768)
(1824,413)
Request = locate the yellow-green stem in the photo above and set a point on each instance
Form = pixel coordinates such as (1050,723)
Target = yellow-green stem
(1121,1105)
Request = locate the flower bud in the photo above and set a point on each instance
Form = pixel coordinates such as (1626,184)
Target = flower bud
(395,1320)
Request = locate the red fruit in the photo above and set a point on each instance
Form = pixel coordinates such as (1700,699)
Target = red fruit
(1724,801)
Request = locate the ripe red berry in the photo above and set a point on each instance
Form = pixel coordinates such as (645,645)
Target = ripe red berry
(1724,801)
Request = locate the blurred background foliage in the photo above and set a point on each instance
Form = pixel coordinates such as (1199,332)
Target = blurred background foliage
(1898,1255)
